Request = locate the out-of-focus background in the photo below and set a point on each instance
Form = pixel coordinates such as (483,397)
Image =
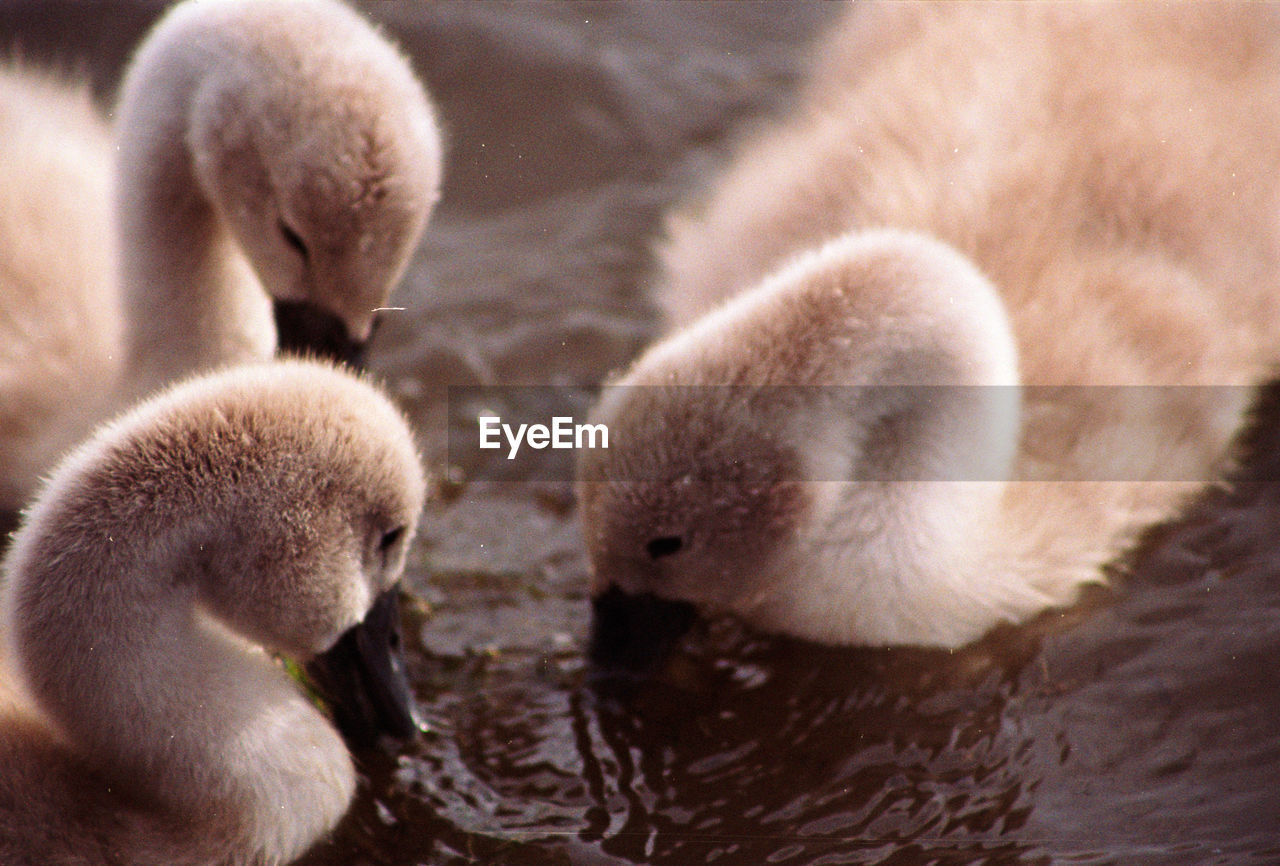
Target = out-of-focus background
(1139,728)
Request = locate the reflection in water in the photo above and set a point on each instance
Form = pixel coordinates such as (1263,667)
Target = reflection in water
(746,749)
(790,751)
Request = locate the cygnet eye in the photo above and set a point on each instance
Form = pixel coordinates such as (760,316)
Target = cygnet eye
(294,240)
(389,538)
(665,545)
(388,541)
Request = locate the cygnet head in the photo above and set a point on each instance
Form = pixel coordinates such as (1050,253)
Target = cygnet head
(312,140)
(771,460)
(325,501)
(694,496)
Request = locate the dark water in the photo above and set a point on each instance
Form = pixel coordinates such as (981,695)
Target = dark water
(1140,728)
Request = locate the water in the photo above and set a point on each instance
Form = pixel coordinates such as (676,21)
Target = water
(1141,727)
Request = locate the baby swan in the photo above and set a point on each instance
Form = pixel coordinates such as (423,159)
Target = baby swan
(933,335)
(266,506)
(267,151)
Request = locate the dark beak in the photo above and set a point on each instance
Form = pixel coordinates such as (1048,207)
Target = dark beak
(635,633)
(363,679)
(302,328)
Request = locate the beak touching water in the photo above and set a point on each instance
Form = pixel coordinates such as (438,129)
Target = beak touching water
(633,634)
(363,680)
(303,328)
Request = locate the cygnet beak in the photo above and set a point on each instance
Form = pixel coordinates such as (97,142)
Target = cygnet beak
(362,678)
(634,633)
(303,328)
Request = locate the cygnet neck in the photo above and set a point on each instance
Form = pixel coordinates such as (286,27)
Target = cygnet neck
(190,297)
(928,446)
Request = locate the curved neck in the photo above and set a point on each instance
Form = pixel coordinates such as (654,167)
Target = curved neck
(190,297)
(911,435)
(113,646)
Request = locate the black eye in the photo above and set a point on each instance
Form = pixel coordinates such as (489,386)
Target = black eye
(389,538)
(665,545)
(294,239)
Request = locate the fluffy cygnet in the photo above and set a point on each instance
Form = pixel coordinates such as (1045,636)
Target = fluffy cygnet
(267,151)
(141,721)
(1080,200)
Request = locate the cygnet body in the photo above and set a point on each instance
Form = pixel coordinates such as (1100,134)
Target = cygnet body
(266,151)
(931,335)
(141,721)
